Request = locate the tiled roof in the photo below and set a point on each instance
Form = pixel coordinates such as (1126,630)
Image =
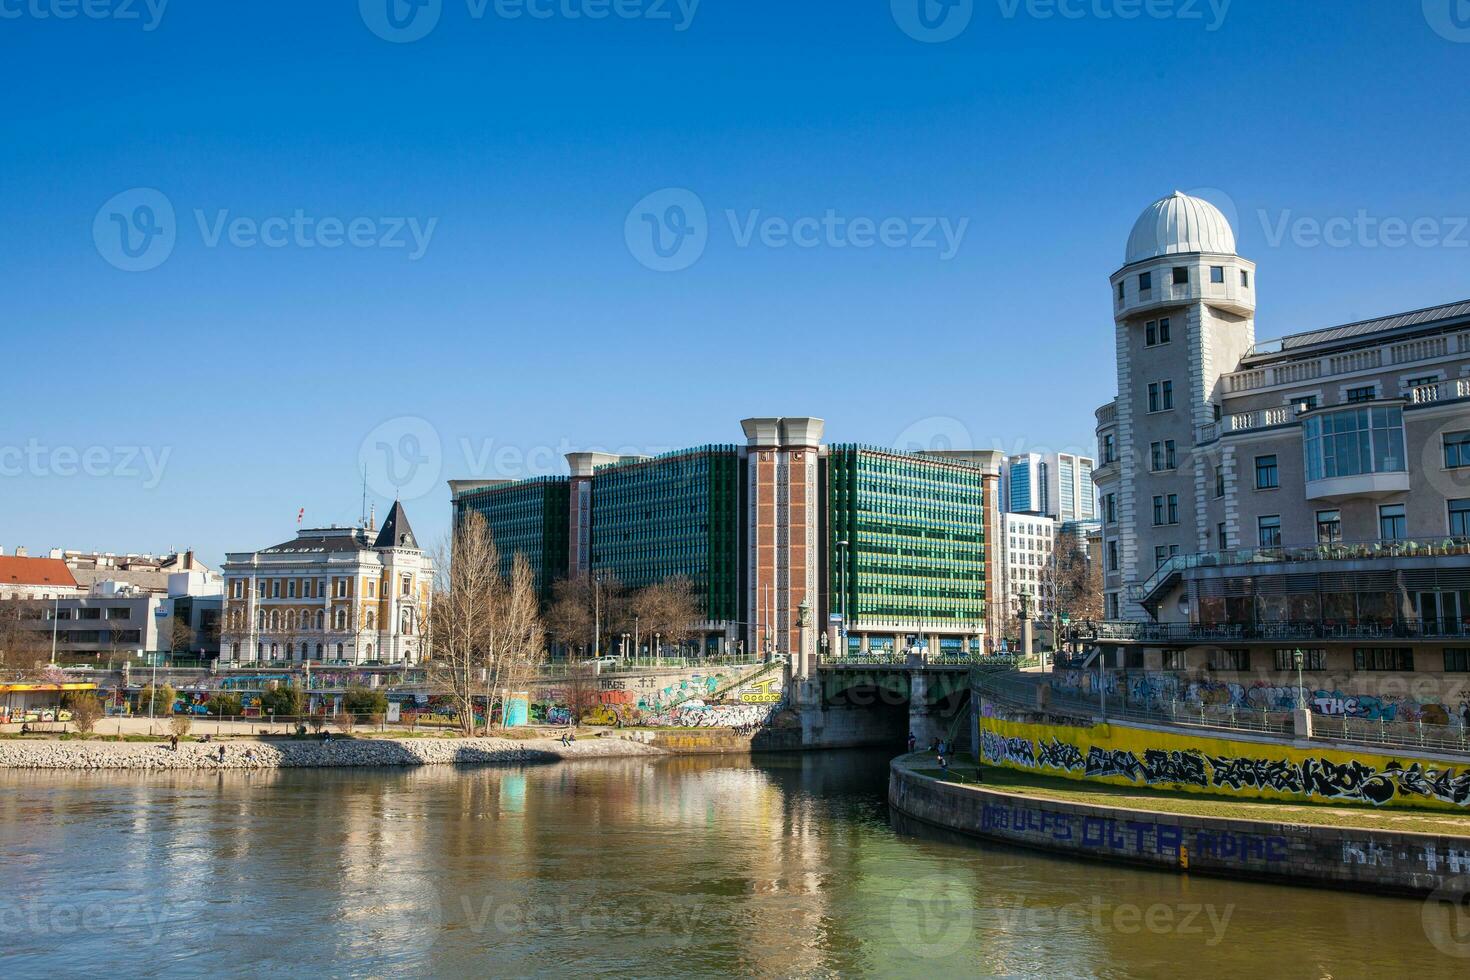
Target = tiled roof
(1364,328)
(35,571)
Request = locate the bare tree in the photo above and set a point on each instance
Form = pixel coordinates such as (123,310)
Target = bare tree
(1074,582)
(181,636)
(467,587)
(518,637)
(25,645)
(670,609)
(578,603)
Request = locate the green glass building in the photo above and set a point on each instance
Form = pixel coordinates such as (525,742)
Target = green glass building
(527,517)
(915,533)
(672,515)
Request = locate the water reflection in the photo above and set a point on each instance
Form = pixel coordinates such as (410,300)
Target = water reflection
(784,865)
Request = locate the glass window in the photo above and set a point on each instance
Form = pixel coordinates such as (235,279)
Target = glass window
(1220,480)
(1456,449)
(1222,537)
(1173,508)
(1112,556)
(1156,455)
(1245,278)
(1329,526)
(1354,442)
(1167,390)
(1145,281)
(1181,275)
(1120,290)
(1311,659)
(1169,458)
(1457,661)
(1230,659)
(1390,658)
(1366,393)
(1267,476)
(1392,522)
(1151,333)
(1173,659)
(1306,403)
(1164,330)
(1269,528)
(1460,518)
(1158,511)
(1153,396)
(1161,555)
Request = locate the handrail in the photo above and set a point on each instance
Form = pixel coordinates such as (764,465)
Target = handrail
(1136,631)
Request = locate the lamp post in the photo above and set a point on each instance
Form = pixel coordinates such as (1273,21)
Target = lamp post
(635,637)
(1297,658)
(55,622)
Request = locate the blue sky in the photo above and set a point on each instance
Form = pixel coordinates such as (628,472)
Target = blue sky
(202,401)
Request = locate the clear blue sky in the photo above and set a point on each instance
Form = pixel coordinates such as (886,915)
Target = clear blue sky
(259,377)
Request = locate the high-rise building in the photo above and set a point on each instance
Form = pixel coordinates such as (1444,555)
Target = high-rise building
(1055,485)
(529,517)
(880,547)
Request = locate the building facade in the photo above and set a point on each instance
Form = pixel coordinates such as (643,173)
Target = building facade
(1311,493)
(894,543)
(1056,485)
(1026,545)
(330,595)
(529,517)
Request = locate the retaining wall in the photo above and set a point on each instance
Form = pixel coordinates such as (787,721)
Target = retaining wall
(1368,860)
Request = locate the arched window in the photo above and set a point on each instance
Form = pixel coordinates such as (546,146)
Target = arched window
(275,651)
(369,651)
(235,651)
(290,649)
(339,651)
(341,619)
(406,626)
(319,651)
(372,620)
(260,620)
(321,620)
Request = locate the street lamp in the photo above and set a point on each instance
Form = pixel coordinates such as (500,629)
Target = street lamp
(1298,658)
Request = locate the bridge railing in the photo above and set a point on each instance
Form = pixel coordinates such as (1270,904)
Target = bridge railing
(1018,692)
(883,658)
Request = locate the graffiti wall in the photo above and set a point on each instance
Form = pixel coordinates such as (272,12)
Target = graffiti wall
(1137,757)
(697,714)
(1152,689)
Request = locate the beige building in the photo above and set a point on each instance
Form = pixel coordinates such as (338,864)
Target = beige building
(1308,493)
(330,595)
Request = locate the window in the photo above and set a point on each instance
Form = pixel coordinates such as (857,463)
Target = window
(341,587)
(1311,660)
(1456,449)
(1383,658)
(275,588)
(1329,526)
(1457,661)
(1429,379)
(1161,555)
(1163,330)
(1230,660)
(372,589)
(1112,556)
(1220,480)
(1366,393)
(1173,508)
(1173,660)
(1158,510)
(237,589)
(119,612)
(1151,333)
(1269,530)
(407,584)
(1460,518)
(1153,396)
(1121,290)
(1222,537)
(291,589)
(1112,605)
(1245,278)
(1392,522)
(1181,275)
(1267,476)
(89,614)
(1110,448)
(1110,508)
(1354,442)
(1305,403)
(1217,274)
(1156,455)
(1169,459)
(1145,281)
(1167,390)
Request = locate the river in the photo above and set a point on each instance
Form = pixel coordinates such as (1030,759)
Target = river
(709,866)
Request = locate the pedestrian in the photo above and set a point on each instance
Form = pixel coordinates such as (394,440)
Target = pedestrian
(173,742)
(221,755)
(912,742)
(943,765)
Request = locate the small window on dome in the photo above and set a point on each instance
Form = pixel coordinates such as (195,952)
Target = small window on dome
(1145,281)
(1181,275)
(1217,274)
(1245,278)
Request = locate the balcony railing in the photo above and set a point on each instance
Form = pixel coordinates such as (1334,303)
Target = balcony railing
(1370,359)
(1287,631)
(1336,551)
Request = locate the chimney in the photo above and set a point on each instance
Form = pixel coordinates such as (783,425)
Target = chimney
(189,560)
(20,551)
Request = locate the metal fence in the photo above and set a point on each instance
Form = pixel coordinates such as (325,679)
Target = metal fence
(1019,692)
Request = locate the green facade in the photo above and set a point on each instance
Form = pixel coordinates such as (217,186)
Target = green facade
(673,515)
(916,534)
(531,518)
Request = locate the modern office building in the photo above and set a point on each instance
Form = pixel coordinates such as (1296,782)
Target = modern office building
(1026,545)
(527,517)
(1055,485)
(1312,491)
(344,595)
(893,543)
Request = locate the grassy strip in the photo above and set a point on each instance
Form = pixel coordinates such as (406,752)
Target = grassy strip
(1033,785)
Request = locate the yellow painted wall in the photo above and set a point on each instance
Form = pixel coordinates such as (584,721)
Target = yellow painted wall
(1125,756)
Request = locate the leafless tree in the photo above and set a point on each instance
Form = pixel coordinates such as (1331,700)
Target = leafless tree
(25,646)
(1074,582)
(576,602)
(669,609)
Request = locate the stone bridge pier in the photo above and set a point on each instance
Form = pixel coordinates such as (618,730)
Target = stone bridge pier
(927,720)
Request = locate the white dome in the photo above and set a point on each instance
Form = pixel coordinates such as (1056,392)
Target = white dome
(1177,225)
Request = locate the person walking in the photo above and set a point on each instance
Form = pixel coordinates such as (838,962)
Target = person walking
(221,755)
(912,742)
(943,765)
(173,742)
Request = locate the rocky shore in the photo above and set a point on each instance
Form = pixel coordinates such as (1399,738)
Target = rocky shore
(312,753)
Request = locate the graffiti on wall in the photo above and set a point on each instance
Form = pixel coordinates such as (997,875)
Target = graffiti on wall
(1117,754)
(1153,689)
(697,714)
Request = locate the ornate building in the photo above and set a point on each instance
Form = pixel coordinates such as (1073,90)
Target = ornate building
(329,595)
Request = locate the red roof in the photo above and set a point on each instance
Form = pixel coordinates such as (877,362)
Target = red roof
(35,571)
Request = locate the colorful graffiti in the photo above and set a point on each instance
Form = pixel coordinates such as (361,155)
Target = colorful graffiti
(697,714)
(1153,689)
(1129,756)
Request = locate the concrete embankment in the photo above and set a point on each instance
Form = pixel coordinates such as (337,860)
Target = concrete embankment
(289,754)
(1339,857)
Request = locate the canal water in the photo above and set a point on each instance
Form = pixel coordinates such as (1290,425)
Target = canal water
(778,866)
